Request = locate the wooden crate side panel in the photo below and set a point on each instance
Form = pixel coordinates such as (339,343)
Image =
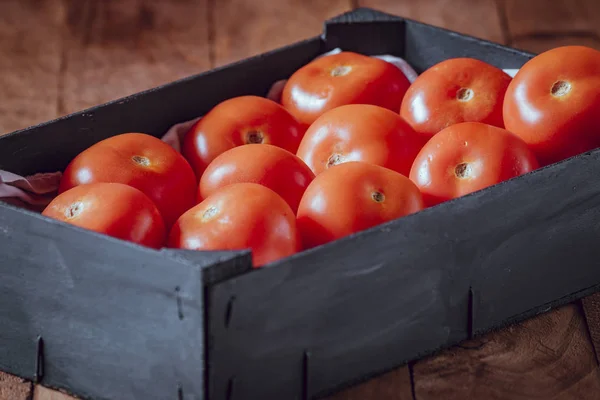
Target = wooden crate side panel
(71,299)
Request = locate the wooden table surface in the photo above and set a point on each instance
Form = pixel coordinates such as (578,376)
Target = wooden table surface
(60,56)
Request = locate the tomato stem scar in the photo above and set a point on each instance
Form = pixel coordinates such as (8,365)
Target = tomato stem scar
(560,88)
(74,210)
(254,137)
(378,197)
(464,94)
(335,159)
(209,213)
(143,161)
(341,70)
(463,170)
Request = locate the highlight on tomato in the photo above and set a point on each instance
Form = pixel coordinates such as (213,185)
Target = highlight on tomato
(343,78)
(237,217)
(141,161)
(454,91)
(467,157)
(236,122)
(114,209)
(352,197)
(553,103)
(360,132)
(270,166)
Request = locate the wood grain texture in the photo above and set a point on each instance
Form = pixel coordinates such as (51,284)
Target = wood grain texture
(547,357)
(591,309)
(557,16)
(273,24)
(538,25)
(117,48)
(477,18)
(29,62)
(43,393)
(14,388)
(394,385)
(113,48)
(540,43)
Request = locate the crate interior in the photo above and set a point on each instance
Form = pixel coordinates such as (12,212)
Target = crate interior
(359,275)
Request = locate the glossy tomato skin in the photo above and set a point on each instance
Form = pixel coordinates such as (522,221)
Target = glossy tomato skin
(352,197)
(454,91)
(142,161)
(238,121)
(553,103)
(114,209)
(467,157)
(240,216)
(360,132)
(344,78)
(270,166)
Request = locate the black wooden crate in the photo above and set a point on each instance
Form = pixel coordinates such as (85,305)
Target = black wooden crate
(107,319)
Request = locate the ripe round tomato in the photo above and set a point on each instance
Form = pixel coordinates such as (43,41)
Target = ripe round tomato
(360,132)
(141,161)
(343,78)
(270,166)
(352,197)
(553,103)
(453,91)
(467,157)
(114,209)
(238,121)
(240,216)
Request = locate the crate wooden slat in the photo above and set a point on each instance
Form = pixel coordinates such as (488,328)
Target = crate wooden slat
(194,55)
(82,312)
(547,357)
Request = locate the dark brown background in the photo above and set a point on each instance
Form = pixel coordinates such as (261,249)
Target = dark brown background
(60,56)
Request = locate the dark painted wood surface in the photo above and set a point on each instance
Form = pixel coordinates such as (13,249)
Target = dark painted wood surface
(77,308)
(59,56)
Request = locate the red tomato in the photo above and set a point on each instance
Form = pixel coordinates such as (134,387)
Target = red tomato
(467,157)
(114,209)
(453,91)
(352,197)
(360,132)
(240,216)
(553,103)
(270,166)
(238,121)
(343,78)
(141,161)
